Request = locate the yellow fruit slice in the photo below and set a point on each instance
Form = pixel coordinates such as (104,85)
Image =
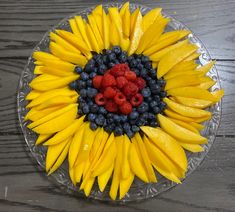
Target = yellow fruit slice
(72,175)
(150,17)
(182,81)
(204,69)
(185,110)
(58,123)
(126,23)
(175,115)
(41,138)
(125,162)
(88,186)
(207,85)
(38,63)
(92,39)
(192,92)
(165,40)
(197,126)
(52,84)
(192,102)
(66,55)
(97,142)
(193,56)
(192,147)
(75,145)
(53,153)
(185,125)
(44,56)
(137,167)
(78,171)
(116,19)
(76,41)
(162,163)
(218,94)
(60,159)
(114,35)
(43,78)
(74,27)
(61,65)
(62,42)
(133,20)
(152,33)
(56,72)
(156,57)
(125,185)
(136,33)
(184,66)
(65,133)
(33,94)
(173,57)
(124,8)
(38,70)
(167,144)
(117,169)
(106,25)
(184,73)
(98,10)
(179,132)
(145,157)
(104,178)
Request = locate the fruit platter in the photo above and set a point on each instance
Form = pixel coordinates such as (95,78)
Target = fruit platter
(119,102)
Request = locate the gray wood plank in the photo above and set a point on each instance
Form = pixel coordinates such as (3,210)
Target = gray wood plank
(25,187)
(24,22)
(10,70)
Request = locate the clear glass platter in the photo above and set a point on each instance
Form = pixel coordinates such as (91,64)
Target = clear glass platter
(138,190)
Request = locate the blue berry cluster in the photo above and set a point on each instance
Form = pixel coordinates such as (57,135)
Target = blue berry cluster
(145,114)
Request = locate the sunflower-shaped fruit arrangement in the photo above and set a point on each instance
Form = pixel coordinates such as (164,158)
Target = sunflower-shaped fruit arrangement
(120,98)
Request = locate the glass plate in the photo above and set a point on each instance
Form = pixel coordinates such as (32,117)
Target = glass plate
(138,190)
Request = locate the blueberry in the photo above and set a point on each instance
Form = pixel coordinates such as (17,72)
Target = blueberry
(162,106)
(111,64)
(144,59)
(132,121)
(161,82)
(138,61)
(100,120)
(148,65)
(105,59)
(81,84)
(81,100)
(102,68)
(84,76)
(73,85)
(112,57)
(148,78)
(99,61)
(140,122)
(143,72)
(94,108)
(110,116)
(122,58)
(130,134)
(92,75)
(93,125)
(102,110)
(135,128)
(163,94)
(118,131)
(91,117)
(140,66)
(146,92)
(137,72)
(117,50)
(133,63)
(134,115)
(157,98)
(108,51)
(151,116)
(123,118)
(85,109)
(78,69)
(89,83)
(155,87)
(117,118)
(149,99)
(153,104)
(153,124)
(156,109)
(152,72)
(91,92)
(109,128)
(126,127)
(129,59)
(89,66)
(109,121)
(83,93)
(143,107)
(116,61)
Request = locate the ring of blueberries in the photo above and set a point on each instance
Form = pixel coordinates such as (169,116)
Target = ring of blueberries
(119,92)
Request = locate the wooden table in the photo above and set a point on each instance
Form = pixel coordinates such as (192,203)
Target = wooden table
(25,187)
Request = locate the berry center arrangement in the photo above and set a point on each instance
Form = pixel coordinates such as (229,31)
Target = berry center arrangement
(119,98)
(119,93)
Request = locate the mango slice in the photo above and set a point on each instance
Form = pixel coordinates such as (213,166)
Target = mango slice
(218,94)
(197,126)
(150,17)
(167,144)
(44,56)
(185,110)
(116,19)
(38,70)
(177,116)
(126,23)
(41,138)
(192,147)
(58,123)
(185,125)
(207,85)
(126,171)
(74,27)
(92,39)
(114,36)
(125,185)
(179,132)
(106,25)
(192,102)
(56,72)
(193,56)
(124,8)
(104,178)
(173,57)
(184,66)
(32,95)
(96,143)
(61,65)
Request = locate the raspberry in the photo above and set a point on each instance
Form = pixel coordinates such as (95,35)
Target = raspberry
(109,92)
(126,108)
(130,89)
(119,98)
(97,81)
(140,83)
(119,69)
(130,75)
(99,99)
(121,82)
(136,100)
(111,106)
(108,80)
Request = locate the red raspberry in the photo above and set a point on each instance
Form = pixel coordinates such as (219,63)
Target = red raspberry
(130,89)
(108,80)
(111,106)
(126,108)
(97,81)
(140,83)
(99,99)
(136,100)
(121,82)
(109,92)
(130,75)
(119,98)
(119,69)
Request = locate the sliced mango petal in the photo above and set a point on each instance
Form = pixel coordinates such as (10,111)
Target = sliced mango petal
(44,56)
(106,25)
(124,8)
(150,17)
(185,125)
(61,65)
(33,94)
(175,115)
(104,178)
(74,27)
(192,147)
(125,185)
(218,94)
(125,162)
(126,23)
(41,138)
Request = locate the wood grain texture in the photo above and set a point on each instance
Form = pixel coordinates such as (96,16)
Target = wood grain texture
(24,22)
